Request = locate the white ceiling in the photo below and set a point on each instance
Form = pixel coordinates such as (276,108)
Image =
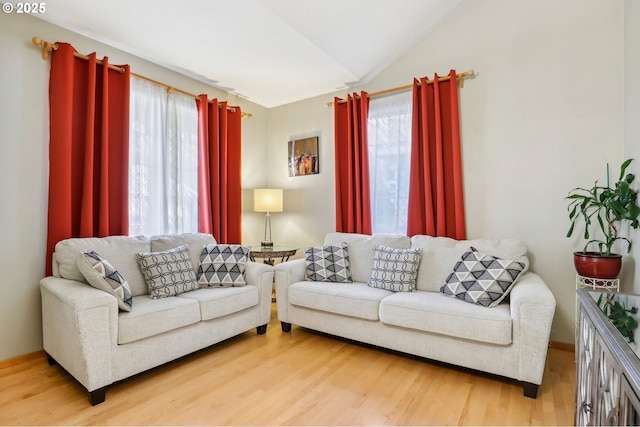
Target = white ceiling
(271,52)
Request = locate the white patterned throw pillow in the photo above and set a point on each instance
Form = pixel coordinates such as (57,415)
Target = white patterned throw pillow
(328,263)
(395,269)
(223,265)
(168,273)
(102,275)
(482,279)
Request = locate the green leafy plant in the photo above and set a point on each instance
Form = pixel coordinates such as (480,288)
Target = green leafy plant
(620,316)
(607,207)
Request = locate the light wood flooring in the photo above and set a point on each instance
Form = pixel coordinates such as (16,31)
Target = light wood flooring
(297,378)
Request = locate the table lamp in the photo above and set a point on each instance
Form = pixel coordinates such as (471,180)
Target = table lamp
(267,200)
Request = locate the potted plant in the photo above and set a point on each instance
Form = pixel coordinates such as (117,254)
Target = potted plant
(622,318)
(604,208)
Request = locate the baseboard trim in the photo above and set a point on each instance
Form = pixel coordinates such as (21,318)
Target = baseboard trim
(562,346)
(21,359)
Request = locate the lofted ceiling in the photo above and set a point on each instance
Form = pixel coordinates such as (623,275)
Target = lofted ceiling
(271,52)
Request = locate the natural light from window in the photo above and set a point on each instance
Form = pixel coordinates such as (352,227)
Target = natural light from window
(163,161)
(389,136)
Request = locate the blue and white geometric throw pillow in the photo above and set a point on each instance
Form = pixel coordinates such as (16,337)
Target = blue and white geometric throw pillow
(102,275)
(482,279)
(328,263)
(223,265)
(394,269)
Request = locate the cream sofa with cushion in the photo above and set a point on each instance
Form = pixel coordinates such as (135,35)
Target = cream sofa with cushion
(101,335)
(509,339)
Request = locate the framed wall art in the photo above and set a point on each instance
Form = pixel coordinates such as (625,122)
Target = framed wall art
(303,156)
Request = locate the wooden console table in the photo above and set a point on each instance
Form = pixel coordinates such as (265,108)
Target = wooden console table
(608,365)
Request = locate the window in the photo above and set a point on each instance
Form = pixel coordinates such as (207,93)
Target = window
(163,161)
(389,134)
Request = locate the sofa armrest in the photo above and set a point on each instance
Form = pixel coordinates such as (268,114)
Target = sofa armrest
(286,274)
(80,329)
(258,273)
(532,309)
(261,275)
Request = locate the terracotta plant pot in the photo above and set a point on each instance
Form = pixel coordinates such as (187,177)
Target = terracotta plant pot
(592,264)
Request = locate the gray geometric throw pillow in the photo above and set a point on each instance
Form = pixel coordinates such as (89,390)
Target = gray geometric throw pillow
(168,273)
(395,269)
(102,275)
(223,265)
(482,279)
(328,263)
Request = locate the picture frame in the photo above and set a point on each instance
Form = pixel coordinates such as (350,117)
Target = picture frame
(303,157)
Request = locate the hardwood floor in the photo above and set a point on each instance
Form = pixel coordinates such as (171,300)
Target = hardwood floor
(299,378)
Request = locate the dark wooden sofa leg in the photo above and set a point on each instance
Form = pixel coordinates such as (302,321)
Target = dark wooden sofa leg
(286,327)
(262,329)
(530,390)
(50,360)
(97,396)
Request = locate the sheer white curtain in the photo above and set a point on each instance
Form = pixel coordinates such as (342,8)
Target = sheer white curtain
(182,164)
(389,139)
(163,143)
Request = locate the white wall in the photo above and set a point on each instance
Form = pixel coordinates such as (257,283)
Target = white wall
(309,200)
(632,122)
(544,115)
(24,130)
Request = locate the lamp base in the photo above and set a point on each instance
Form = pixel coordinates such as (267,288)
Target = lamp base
(266,244)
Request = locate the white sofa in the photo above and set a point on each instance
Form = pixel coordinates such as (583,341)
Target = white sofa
(509,340)
(98,344)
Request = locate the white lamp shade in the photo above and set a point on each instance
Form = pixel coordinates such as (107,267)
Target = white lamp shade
(267,200)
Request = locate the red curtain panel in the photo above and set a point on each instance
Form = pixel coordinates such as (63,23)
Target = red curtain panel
(353,200)
(88,148)
(219,170)
(436,202)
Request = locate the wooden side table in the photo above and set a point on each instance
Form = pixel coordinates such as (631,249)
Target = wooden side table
(269,254)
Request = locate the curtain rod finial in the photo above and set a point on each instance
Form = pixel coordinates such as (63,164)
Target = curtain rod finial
(46,46)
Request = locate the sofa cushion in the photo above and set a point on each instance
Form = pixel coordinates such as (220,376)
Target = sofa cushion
(440,255)
(218,302)
(360,248)
(102,275)
(119,250)
(169,272)
(395,269)
(437,313)
(328,263)
(149,317)
(223,265)
(194,241)
(349,299)
(482,279)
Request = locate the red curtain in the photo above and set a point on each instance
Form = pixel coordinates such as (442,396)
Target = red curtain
(353,200)
(88,148)
(436,202)
(219,170)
